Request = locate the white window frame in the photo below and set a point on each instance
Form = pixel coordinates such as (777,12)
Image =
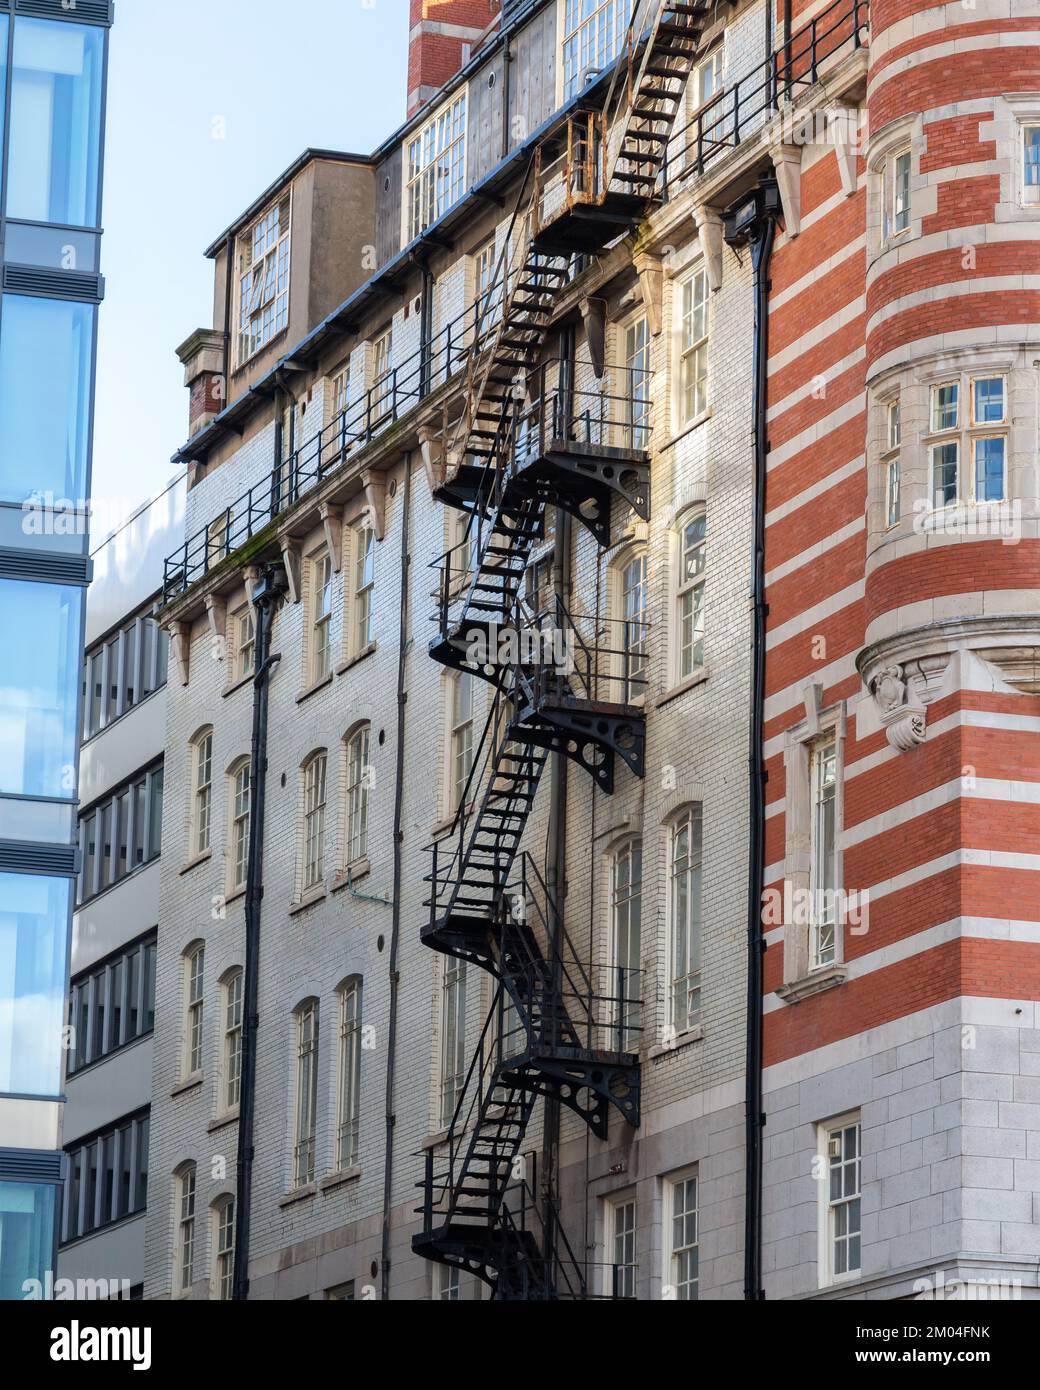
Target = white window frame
(704,86)
(305,1128)
(362,608)
(447,1284)
(381,393)
(262,308)
(240,799)
(202,792)
(693,314)
(622,1230)
(358,785)
(315,796)
(435,167)
(453,1061)
(243,629)
(897,193)
(691,575)
(589,42)
(633,627)
(194,1008)
(1030,191)
(626,942)
(232,1071)
(685,918)
(461,717)
(348,1115)
(186,1198)
(891,465)
(487,296)
(824,922)
(673,1184)
(223,1248)
(321,583)
(961,434)
(830,1219)
(637,423)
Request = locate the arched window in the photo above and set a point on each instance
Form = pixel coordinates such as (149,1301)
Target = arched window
(232,1039)
(306,1092)
(685,842)
(349,1117)
(194,990)
(184,1271)
(202,790)
(633,628)
(626,907)
(314,780)
(461,737)
(240,798)
(359,778)
(690,592)
(223,1247)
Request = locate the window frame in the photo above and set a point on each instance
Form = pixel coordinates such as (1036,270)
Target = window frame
(232,993)
(362,586)
(690,592)
(597,38)
(139,653)
(315,803)
(828,1274)
(671,1251)
(277,265)
(453,1059)
(461,723)
(186,1202)
(357,751)
(240,810)
(626,1009)
(891,191)
(693,348)
(1030,196)
(891,462)
(691,819)
(129,1135)
(307,1021)
(194,959)
(143,831)
(321,581)
(223,1248)
(618,1284)
(202,792)
(824,948)
(962,437)
(440,143)
(136,980)
(633,626)
(348,1114)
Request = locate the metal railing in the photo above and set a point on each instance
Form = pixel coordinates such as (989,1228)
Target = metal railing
(447,355)
(729,118)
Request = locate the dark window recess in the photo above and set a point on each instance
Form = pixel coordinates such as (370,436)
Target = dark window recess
(119,834)
(122,671)
(106,1177)
(113,1004)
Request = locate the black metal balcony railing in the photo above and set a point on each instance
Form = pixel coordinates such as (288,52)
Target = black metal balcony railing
(724,123)
(392,396)
(729,118)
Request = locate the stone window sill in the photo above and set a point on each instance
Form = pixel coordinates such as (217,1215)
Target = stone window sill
(313,689)
(814,983)
(689,682)
(236,685)
(222,1121)
(353,660)
(692,1035)
(335,1180)
(298,1194)
(194,863)
(190,1083)
(433,1140)
(312,896)
(352,875)
(687,428)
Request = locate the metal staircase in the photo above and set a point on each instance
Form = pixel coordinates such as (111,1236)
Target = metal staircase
(527,439)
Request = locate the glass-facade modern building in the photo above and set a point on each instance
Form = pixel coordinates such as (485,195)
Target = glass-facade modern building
(53,64)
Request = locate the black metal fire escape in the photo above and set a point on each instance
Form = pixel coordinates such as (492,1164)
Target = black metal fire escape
(529,440)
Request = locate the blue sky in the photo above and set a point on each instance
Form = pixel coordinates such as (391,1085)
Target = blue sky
(208,101)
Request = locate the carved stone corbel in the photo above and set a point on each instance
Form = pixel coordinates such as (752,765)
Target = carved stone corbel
(332,522)
(787,165)
(594,317)
(375,495)
(250,575)
(709,233)
(216,612)
(180,649)
(430,452)
(812,697)
(651,280)
(291,560)
(902,712)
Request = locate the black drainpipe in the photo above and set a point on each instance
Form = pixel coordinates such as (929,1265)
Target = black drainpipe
(752,222)
(267,593)
(395,934)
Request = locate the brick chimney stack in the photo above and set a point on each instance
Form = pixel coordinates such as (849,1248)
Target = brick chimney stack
(440,36)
